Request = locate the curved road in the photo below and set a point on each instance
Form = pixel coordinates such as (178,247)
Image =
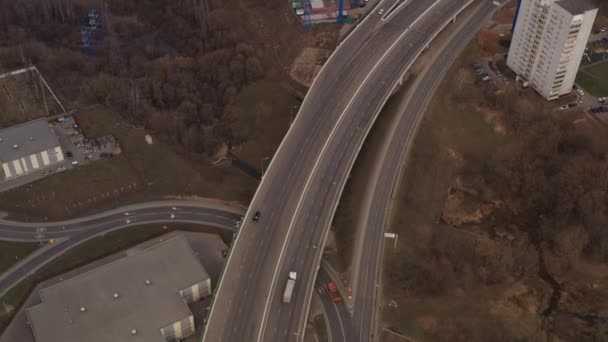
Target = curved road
(301,188)
(388,166)
(71,233)
(150,213)
(338,317)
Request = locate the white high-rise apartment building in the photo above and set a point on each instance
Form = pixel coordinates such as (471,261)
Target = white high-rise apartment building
(548,43)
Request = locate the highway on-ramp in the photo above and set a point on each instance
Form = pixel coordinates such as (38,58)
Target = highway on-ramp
(340,325)
(71,233)
(299,193)
(387,168)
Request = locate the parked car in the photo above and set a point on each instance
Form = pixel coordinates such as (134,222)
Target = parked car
(69,154)
(256,216)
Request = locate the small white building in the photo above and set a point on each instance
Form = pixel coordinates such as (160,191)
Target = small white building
(28,147)
(548,43)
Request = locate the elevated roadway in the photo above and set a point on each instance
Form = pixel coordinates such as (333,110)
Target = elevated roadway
(301,188)
(387,168)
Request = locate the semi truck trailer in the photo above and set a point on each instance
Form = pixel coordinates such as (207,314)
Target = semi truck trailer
(291,282)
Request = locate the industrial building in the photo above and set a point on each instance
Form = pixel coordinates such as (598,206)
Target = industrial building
(548,43)
(142,297)
(28,147)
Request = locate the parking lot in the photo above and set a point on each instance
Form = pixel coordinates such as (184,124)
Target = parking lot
(77,150)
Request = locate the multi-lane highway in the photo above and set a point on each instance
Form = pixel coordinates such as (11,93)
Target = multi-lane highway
(298,196)
(387,168)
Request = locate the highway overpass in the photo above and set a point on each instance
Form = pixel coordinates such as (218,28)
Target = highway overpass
(302,186)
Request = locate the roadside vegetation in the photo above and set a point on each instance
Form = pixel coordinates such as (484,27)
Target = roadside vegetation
(199,76)
(203,77)
(175,67)
(94,249)
(499,215)
(141,172)
(12,252)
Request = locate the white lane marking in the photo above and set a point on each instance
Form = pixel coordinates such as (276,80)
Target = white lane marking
(355,96)
(424,13)
(394,9)
(340,319)
(314,171)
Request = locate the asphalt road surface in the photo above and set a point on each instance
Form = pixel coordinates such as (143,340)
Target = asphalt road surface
(301,188)
(386,173)
(338,317)
(74,232)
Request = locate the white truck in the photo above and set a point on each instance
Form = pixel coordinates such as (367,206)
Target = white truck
(291,282)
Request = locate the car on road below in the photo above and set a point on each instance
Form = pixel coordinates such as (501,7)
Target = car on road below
(256,216)
(563,107)
(381,11)
(333,292)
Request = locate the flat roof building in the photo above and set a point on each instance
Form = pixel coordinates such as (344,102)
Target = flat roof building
(142,297)
(548,43)
(28,147)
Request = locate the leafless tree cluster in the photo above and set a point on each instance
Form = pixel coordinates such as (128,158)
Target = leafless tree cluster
(172,66)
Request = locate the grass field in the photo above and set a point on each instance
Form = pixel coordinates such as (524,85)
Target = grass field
(89,251)
(153,172)
(594,79)
(11,252)
(260,115)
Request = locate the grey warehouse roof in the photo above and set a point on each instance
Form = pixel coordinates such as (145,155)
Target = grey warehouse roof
(170,266)
(576,7)
(29,137)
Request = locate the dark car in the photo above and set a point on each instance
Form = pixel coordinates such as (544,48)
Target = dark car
(256,216)
(69,155)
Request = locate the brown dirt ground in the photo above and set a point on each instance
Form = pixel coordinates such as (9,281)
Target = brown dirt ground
(308,64)
(506,14)
(488,40)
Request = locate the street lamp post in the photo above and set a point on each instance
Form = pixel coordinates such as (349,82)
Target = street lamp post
(262,162)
